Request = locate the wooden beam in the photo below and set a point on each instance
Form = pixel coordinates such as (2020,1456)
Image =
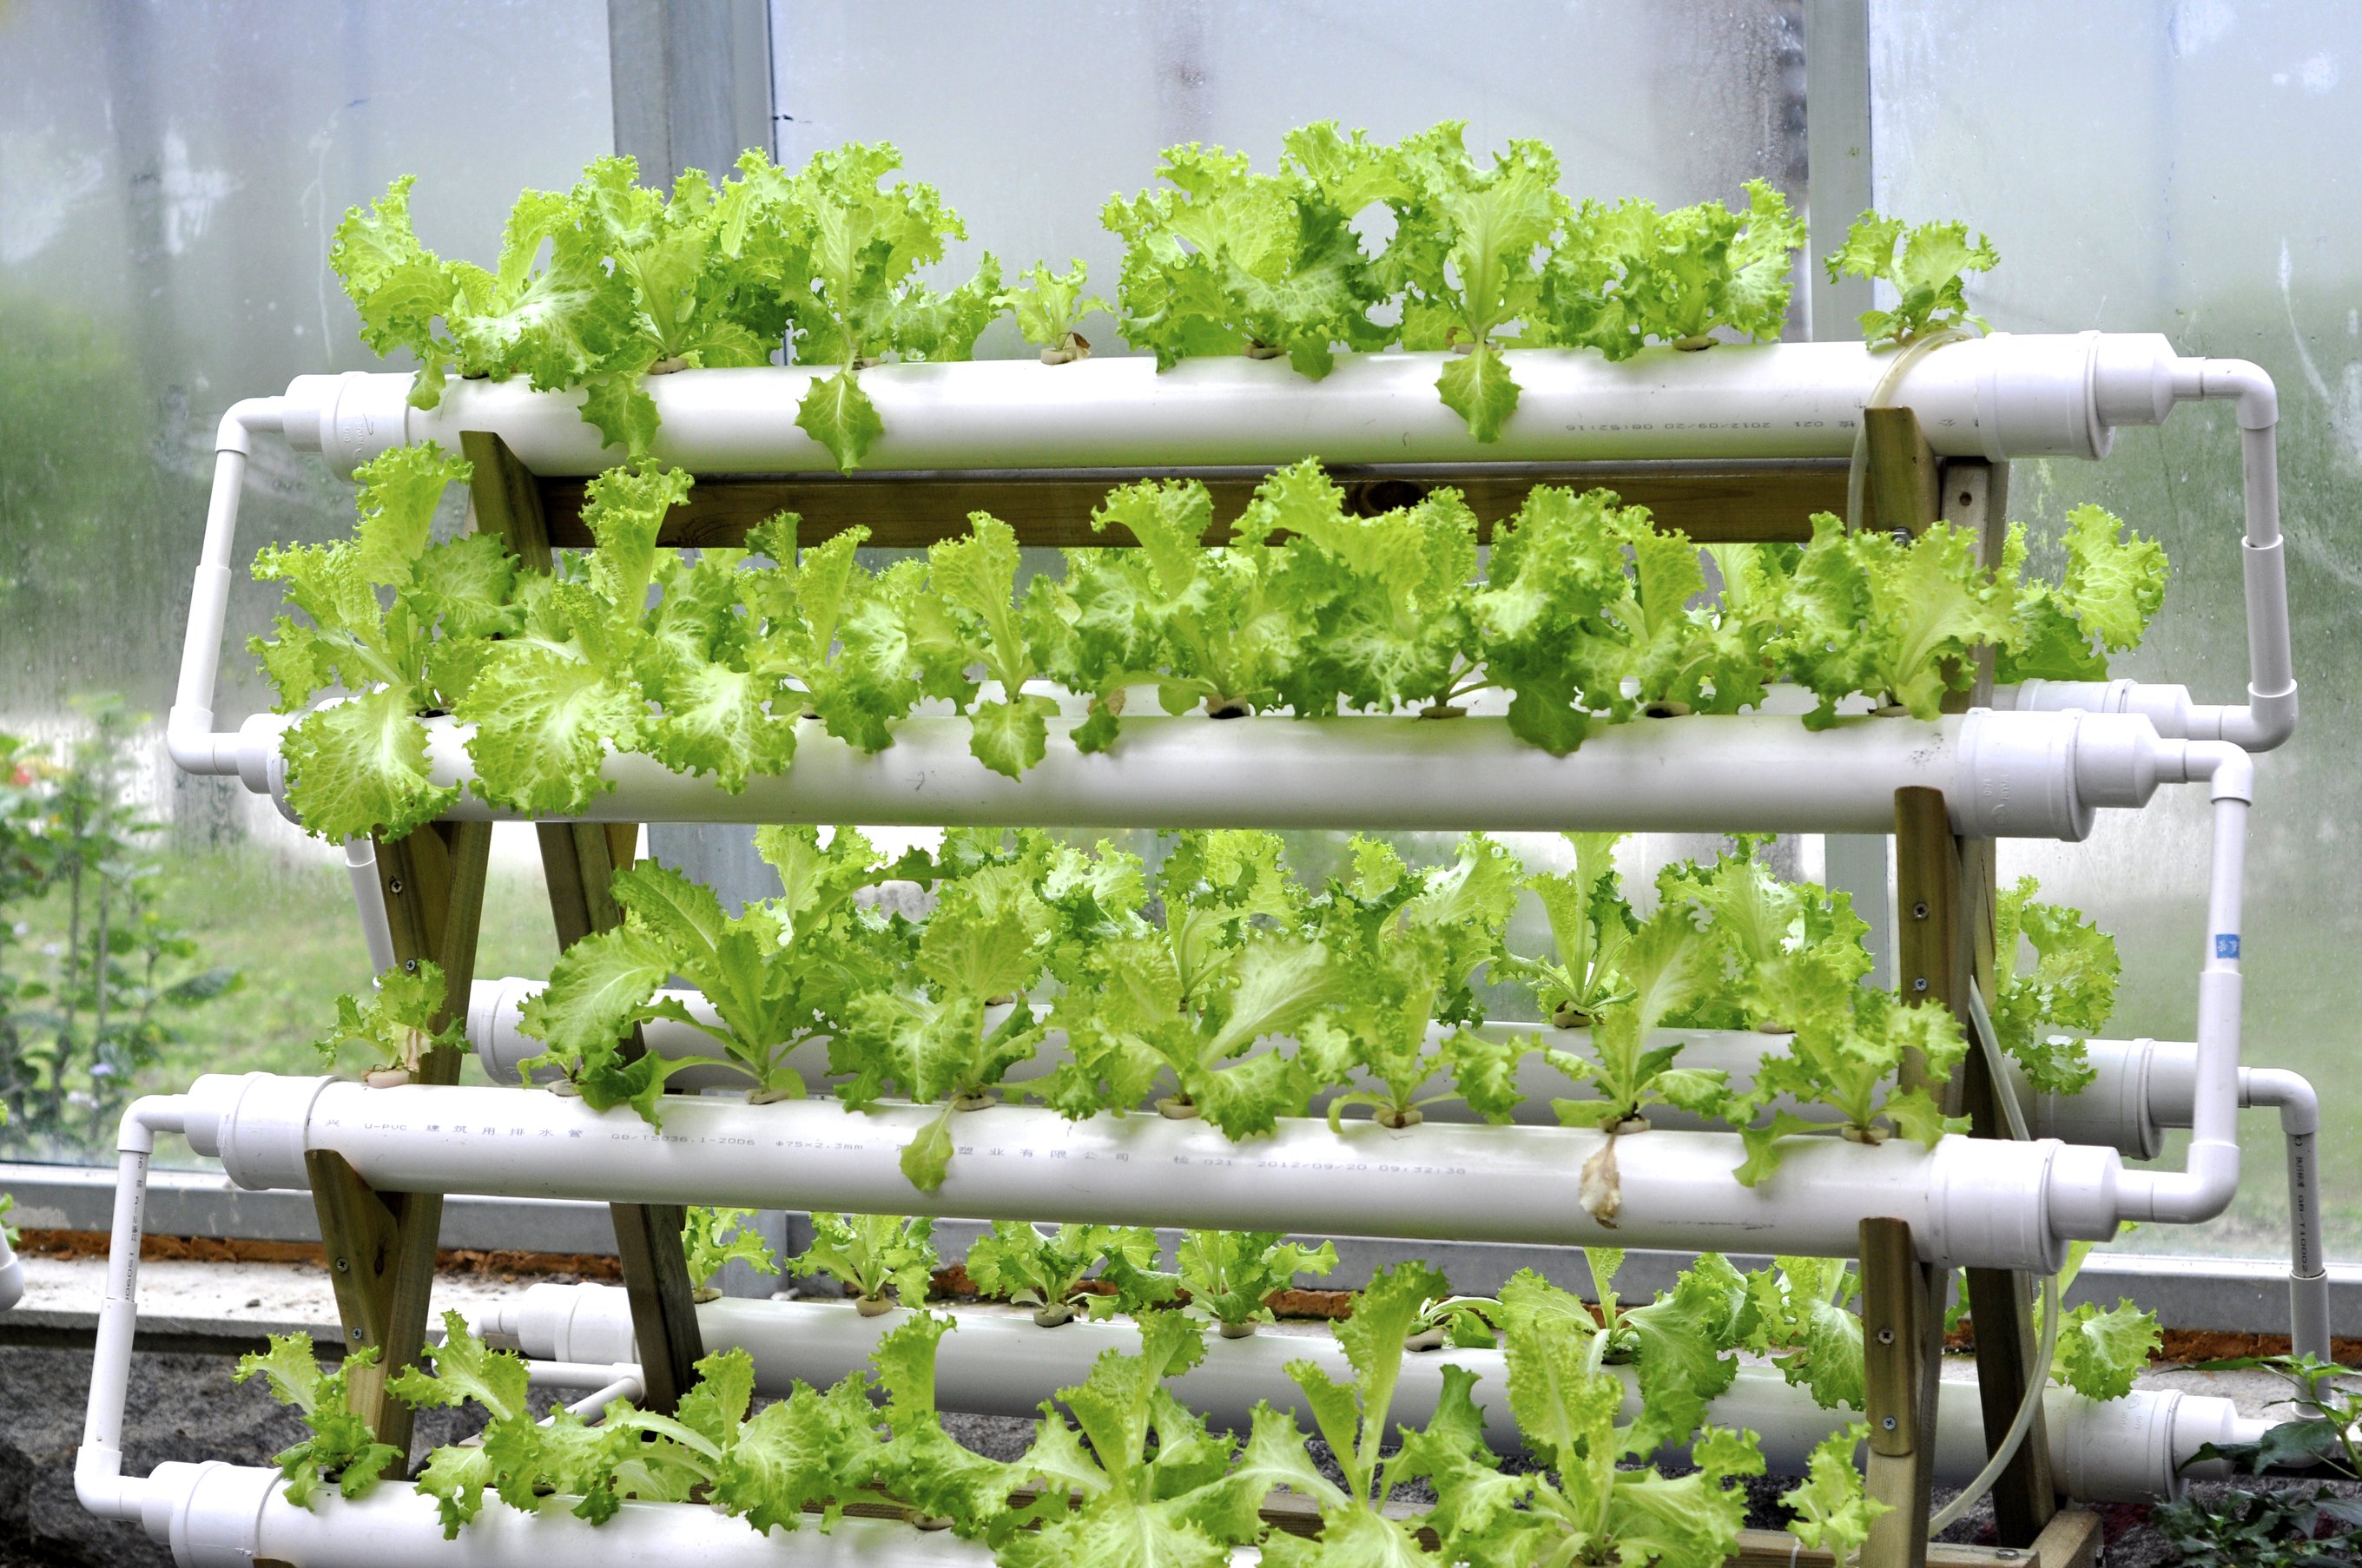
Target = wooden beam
(433,884)
(1899,492)
(1902,1349)
(1711,502)
(578,861)
(506,498)
(1931,944)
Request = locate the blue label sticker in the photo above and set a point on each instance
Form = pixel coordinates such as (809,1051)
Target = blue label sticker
(2227,944)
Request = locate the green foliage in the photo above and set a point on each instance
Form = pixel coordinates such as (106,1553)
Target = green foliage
(1832,1513)
(1849,1046)
(2326,1429)
(1588,613)
(1044,1269)
(1048,306)
(2071,986)
(1153,1489)
(2100,1353)
(780,970)
(393,1027)
(341,1449)
(717,1237)
(1926,265)
(1226,963)
(1797,1316)
(95,977)
(1584,1508)
(1353,1418)
(871,1254)
(2111,588)
(636,282)
(1227,261)
(1407,946)
(2267,1527)
(1228,1276)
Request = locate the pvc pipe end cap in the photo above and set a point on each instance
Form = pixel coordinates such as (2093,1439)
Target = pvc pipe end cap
(12,1283)
(2116,759)
(2133,378)
(2082,1194)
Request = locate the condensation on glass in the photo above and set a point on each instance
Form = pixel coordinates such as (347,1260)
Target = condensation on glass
(2184,169)
(170,178)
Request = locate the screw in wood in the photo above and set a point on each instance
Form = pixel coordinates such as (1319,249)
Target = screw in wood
(393,886)
(1886,1336)
(1917,984)
(357,1333)
(409,966)
(1918,912)
(1889,1423)
(343,1266)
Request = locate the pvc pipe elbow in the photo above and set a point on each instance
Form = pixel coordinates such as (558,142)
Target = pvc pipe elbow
(2258,399)
(146,1117)
(2266,723)
(2190,1197)
(101,1486)
(2290,1093)
(244,417)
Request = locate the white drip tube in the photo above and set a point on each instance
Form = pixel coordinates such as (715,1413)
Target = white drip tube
(99,1481)
(1003,1365)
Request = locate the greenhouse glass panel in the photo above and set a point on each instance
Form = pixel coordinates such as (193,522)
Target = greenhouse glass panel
(2092,144)
(170,178)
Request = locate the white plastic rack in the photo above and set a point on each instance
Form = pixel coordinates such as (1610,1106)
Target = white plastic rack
(2038,761)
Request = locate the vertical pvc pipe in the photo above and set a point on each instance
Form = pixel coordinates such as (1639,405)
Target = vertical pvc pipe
(2300,1110)
(189,726)
(98,1465)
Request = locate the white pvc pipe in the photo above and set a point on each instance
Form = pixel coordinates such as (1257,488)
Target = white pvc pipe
(99,1481)
(1005,1365)
(228,1516)
(1969,1202)
(12,1275)
(189,733)
(2269,717)
(2300,1110)
(2000,396)
(2206,1187)
(2003,775)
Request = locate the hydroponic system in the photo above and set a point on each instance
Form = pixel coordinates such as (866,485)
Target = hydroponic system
(1582,554)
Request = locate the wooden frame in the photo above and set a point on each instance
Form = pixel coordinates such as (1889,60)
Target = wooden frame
(382,1247)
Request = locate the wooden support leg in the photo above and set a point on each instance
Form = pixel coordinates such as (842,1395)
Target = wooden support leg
(580,860)
(1901,1331)
(1945,906)
(380,1247)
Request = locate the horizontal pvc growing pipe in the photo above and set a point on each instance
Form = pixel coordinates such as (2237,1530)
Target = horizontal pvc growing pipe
(2114,1110)
(2003,776)
(2000,396)
(234,1516)
(12,1275)
(1969,1202)
(996,1364)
